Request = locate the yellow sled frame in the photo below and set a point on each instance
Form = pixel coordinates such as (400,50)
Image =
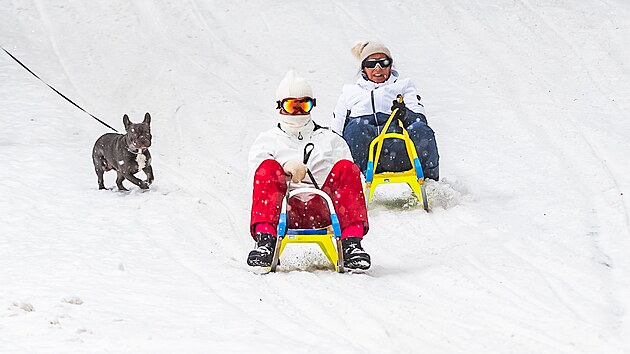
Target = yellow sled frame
(322,237)
(413,177)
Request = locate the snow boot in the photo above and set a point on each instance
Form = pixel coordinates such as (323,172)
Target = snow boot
(354,257)
(262,255)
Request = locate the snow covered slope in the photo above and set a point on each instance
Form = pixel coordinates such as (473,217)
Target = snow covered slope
(526,250)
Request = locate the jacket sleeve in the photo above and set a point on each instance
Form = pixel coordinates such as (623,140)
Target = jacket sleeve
(339,115)
(341,149)
(413,102)
(261,150)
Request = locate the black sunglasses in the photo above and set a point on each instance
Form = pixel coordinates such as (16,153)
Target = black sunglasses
(371,63)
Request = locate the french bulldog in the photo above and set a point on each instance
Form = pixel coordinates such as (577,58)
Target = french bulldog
(126,153)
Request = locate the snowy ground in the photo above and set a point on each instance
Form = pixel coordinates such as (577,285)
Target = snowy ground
(526,250)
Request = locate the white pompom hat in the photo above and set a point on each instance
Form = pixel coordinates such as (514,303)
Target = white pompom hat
(363,49)
(293,86)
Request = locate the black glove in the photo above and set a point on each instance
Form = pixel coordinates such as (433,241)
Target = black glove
(402,109)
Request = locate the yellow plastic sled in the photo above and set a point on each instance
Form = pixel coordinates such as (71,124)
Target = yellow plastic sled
(322,237)
(413,177)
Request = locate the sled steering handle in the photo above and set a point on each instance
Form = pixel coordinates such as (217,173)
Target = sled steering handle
(308,149)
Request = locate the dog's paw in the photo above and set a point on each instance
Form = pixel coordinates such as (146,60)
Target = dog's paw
(144,185)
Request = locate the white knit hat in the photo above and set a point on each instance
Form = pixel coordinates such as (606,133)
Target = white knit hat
(363,49)
(293,86)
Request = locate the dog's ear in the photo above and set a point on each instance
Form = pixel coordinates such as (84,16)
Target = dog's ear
(126,121)
(147,118)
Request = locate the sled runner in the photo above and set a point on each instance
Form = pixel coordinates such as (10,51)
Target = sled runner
(322,237)
(413,177)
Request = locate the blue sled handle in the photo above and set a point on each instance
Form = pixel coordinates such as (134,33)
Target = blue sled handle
(282,225)
(419,173)
(335,225)
(369,172)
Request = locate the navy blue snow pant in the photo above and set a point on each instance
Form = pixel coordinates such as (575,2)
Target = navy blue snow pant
(358,133)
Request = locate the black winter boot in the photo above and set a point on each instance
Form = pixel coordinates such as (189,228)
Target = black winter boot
(354,257)
(262,255)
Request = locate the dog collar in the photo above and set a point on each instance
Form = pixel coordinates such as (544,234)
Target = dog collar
(139,151)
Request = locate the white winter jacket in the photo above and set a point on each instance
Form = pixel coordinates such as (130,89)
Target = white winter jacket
(368,98)
(283,145)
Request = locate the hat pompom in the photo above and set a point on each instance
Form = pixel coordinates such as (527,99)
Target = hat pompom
(357,48)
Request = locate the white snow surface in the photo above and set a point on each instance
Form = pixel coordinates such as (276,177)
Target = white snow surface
(527,249)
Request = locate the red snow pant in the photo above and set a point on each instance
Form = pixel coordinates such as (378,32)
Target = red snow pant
(343,185)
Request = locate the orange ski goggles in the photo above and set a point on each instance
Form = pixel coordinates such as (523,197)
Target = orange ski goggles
(297,105)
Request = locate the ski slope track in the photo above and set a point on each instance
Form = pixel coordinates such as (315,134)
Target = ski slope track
(526,250)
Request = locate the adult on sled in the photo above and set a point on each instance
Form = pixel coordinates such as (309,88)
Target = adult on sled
(276,162)
(363,109)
